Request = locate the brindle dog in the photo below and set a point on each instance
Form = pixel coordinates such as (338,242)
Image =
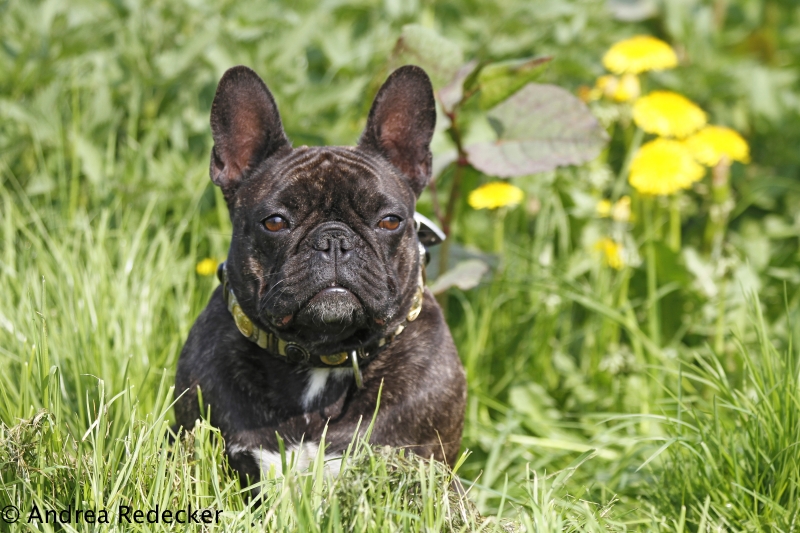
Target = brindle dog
(322,300)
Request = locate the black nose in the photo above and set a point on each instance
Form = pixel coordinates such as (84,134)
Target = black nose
(333,241)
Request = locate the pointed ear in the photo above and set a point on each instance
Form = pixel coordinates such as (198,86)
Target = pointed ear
(245,125)
(401,122)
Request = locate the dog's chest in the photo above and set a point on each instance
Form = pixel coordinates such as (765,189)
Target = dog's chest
(296,405)
(286,395)
(323,384)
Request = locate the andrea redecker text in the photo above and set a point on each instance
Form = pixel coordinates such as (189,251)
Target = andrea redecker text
(124,514)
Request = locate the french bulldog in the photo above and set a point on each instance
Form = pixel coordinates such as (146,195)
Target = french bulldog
(322,302)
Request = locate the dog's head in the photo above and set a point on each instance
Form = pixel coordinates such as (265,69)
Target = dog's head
(324,250)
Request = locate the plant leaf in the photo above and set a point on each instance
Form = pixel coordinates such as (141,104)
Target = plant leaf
(424,47)
(500,80)
(539,128)
(451,94)
(465,275)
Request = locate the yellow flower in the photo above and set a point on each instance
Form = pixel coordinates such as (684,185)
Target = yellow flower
(494,195)
(620,211)
(639,54)
(604,208)
(612,252)
(586,94)
(622,89)
(207,267)
(711,143)
(668,114)
(628,89)
(664,166)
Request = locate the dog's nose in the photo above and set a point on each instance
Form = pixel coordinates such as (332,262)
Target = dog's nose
(324,243)
(332,247)
(333,242)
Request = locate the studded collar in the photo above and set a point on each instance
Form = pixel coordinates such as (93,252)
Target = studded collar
(295,352)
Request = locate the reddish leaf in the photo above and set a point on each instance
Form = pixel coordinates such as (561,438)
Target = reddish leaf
(539,128)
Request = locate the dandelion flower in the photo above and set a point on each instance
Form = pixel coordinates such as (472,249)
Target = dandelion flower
(612,252)
(587,94)
(494,195)
(628,88)
(621,211)
(639,54)
(604,208)
(711,143)
(622,89)
(664,166)
(207,267)
(668,114)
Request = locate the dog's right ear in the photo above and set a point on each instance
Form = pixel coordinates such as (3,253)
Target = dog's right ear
(401,123)
(245,125)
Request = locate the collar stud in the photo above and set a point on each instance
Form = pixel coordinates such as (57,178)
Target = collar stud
(334,359)
(244,324)
(295,353)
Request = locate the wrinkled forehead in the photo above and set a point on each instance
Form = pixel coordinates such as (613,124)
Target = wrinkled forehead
(319,165)
(329,175)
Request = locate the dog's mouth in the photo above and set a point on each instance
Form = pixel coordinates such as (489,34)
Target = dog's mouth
(334,317)
(334,308)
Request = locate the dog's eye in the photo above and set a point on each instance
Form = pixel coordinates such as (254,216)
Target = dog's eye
(391,222)
(275,223)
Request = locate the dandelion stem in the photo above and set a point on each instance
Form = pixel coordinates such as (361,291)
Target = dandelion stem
(75,167)
(499,227)
(619,185)
(720,208)
(652,280)
(674,223)
(719,333)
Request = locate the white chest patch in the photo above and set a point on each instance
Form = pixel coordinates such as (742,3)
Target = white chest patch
(298,458)
(318,379)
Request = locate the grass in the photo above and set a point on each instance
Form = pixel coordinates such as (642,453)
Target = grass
(739,449)
(95,314)
(87,396)
(587,409)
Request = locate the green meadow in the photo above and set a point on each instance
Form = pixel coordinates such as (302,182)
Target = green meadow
(630,348)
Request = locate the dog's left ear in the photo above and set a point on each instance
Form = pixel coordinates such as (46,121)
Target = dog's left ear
(401,122)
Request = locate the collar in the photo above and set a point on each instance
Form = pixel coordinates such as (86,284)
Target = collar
(296,353)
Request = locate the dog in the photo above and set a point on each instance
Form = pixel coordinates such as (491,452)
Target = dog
(322,305)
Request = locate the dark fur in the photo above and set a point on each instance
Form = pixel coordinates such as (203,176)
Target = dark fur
(333,199)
